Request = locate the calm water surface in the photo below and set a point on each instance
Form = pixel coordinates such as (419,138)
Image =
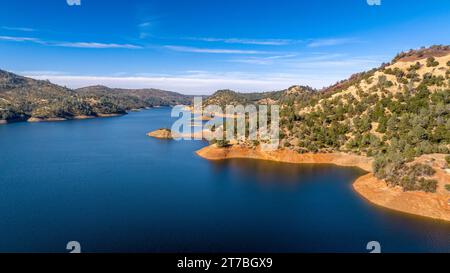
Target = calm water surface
(104,183)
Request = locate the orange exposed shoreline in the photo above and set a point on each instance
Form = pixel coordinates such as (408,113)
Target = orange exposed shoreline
(341,159)
(36,120)
(432,205)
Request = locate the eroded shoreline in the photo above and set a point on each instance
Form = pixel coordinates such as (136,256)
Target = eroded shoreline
(376,191)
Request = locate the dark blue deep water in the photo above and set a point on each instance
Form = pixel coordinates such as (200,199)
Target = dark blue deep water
(104,183)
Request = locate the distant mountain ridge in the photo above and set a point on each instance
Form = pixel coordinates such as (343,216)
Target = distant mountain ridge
(22,98)
(136,98)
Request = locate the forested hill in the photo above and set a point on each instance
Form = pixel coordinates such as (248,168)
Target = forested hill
(22,98)
(230,97)
(394,113)
(136,98)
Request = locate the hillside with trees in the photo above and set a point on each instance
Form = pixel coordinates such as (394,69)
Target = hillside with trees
(135,98)
(23,98)
(230,97)
(394,114)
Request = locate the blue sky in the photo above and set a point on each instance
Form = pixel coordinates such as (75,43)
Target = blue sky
(199,46)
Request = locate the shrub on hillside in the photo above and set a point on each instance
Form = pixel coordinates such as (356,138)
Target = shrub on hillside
(415,67)
(431,62)
(222,143)
(427,185)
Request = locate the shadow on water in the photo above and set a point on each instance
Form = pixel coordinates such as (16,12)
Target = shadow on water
(279,173)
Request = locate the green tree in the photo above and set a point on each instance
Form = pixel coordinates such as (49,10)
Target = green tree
(431,62)
(223,143)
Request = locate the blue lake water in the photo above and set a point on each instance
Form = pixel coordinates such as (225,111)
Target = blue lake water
(104,183)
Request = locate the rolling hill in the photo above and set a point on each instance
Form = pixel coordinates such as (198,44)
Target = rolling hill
(394,114)
(24,98)
(136,98)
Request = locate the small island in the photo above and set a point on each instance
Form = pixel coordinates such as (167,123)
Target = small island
(165,133)
(162,133)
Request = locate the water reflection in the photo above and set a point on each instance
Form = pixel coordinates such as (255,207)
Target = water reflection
(271,172)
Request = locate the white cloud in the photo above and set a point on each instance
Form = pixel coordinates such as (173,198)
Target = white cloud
(25,29)
(143,29)
(331,42)
(19,39)
(278,42)
(96,45)
(262,60)
(274,42)
(145,24)
(73,2)
(213,50)
(339,62)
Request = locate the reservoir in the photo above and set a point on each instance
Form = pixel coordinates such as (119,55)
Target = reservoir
(104,183)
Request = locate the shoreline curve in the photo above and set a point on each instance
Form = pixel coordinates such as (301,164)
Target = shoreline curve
(372,189)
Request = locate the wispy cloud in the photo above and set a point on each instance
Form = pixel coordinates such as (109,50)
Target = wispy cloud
(213,50)
(145,24)
(319,63)
(94,45)
(144,29)
(331,42)
(19,39)
(244,41)
(262,60)
(25,29)
(327,61)
(278,42)
(355,64)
